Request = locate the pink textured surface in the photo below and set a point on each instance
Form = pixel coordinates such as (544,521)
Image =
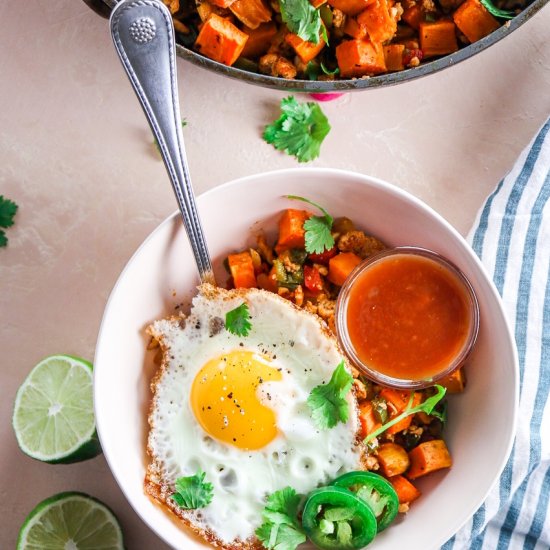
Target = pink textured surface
(76,155)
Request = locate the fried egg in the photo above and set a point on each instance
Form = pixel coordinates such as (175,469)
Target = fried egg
(236,408)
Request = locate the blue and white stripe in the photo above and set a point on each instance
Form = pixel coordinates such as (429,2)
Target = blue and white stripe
(512,238)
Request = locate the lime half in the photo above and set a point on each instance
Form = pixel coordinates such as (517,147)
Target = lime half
(53,417)
(70,521)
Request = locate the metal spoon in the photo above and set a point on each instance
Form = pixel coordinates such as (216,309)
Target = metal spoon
(143,34)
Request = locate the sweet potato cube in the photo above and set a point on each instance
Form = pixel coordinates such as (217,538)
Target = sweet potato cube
(393,459)
(393,55)
(291,230)
(474,21)
(252,13)
(360,58)
(454,382)
(406,491)
(369,423)
(220,40)
(413,16)
(304,49)
(429,457)
(221,3)
(354,29)
(241,267)
(437,37)
(259,40)
(350,7)
(317,3)
(340,266)
(380,25)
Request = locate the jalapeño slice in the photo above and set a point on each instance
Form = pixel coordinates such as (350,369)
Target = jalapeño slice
(376,491)
(335,519)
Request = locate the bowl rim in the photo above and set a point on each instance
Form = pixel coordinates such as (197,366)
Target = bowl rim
(361,179)
(348,85)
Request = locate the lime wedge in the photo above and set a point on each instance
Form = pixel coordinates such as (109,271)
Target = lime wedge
(70,521)
(53,417)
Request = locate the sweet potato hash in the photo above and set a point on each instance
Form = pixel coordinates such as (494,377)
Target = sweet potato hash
(414,446)
(332,39)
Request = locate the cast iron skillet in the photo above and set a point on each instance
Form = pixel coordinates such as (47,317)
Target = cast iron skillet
(103,8)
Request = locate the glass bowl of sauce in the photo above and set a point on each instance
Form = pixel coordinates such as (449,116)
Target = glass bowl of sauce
(407,317)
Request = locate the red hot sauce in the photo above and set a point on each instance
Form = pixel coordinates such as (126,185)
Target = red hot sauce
(408,317)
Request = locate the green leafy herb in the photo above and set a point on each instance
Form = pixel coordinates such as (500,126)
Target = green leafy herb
(497,12)
(328,402)
(300,129)
(302,19)
(156,143)
(237,321)
(317,229)
(427,407)
(281,529)
(8,209)
(193,492)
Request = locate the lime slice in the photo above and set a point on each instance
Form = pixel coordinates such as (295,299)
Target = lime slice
(53,417)
(70,521)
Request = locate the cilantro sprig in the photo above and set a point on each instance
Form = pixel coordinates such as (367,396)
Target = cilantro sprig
(497,12)
(328,402)
(318,234)
(8,209)
(281,529)
(237,321)
(302,19)
(300,129)
(426,407)
(193,492)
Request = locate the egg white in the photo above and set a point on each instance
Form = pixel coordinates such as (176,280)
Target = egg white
(301,455)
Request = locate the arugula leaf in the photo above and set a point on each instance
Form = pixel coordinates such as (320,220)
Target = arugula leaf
(302,19)
(300,129)
(281,529)
(497,12)
(317,229)
(8,209)
(427,407)
(237,321)
(328,402)
(193,492)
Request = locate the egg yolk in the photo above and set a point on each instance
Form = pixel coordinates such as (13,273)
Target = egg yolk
(225,401)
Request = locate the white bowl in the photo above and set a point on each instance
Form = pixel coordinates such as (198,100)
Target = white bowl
(162,274)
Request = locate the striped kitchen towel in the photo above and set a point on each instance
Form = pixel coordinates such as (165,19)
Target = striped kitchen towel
(512,238)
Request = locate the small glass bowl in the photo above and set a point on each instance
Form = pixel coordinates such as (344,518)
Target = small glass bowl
(368,370)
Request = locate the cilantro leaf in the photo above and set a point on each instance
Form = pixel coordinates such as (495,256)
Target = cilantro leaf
(8,209)
(497,12)
(317,229)
(302,19)
(281,529)
(299,131)
(237,321)
(328,402)
(318,236)
(193,492)
(426,407)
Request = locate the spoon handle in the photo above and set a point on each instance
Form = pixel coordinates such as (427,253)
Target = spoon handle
(143,35)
